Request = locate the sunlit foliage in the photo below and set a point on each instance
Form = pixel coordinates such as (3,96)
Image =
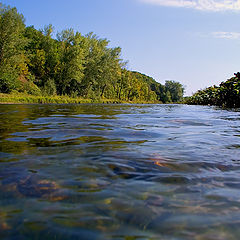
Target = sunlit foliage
(227,94)
(39,62)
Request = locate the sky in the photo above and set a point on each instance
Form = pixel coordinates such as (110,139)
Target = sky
(194,42)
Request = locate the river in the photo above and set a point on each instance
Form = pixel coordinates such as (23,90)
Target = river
(122,172)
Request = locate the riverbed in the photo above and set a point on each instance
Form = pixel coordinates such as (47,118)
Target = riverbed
(122,172)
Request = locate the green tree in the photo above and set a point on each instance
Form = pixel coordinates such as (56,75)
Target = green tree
(227,94)
(71,68)
(71,64)
(175,89)
(43,55)
(94,63)
(12,43)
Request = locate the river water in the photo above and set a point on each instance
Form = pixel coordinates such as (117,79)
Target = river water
(122,172)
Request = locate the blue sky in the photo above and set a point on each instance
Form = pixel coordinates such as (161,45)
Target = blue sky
(195,42)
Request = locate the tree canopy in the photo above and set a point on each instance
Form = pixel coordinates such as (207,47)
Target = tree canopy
(227,94)
(34,62)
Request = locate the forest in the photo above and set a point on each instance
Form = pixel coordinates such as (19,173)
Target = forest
(227,94)
(42,63)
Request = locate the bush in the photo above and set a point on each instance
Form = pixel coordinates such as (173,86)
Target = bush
(30,88)
(225,95)
(49,88)
(8,83)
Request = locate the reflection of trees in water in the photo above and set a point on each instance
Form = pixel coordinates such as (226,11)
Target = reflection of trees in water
(20,118)
(11,121)
(14,148)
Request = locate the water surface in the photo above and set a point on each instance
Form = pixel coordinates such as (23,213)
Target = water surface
(122,172)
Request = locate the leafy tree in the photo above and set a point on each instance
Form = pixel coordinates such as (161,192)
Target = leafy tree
(95,63)
(12,42)
(34,62)
(175,89)
(71,61)
(227,94)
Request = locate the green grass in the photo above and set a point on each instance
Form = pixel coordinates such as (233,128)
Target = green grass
(18,98)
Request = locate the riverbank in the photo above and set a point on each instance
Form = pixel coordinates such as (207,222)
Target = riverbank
(18,98)
(227,94)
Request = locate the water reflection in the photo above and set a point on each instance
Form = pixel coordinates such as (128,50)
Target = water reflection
(119,172)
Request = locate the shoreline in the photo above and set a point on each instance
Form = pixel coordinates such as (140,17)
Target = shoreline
(21,98)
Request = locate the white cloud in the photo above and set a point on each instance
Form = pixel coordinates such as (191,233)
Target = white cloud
(226,35)
(204,5)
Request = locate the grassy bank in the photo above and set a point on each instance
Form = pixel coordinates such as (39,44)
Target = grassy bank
(31,99)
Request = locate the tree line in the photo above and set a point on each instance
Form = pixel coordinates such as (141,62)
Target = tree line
(227,94)
(34,62)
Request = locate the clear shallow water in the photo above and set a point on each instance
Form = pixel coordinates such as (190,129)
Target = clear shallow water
(122,172)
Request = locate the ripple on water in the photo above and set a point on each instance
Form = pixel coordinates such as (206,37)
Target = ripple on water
(119,172)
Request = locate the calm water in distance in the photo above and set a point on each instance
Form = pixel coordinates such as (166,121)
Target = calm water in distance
(122,172)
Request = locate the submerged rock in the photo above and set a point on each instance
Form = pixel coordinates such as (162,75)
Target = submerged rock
(3,221)
(32,186)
